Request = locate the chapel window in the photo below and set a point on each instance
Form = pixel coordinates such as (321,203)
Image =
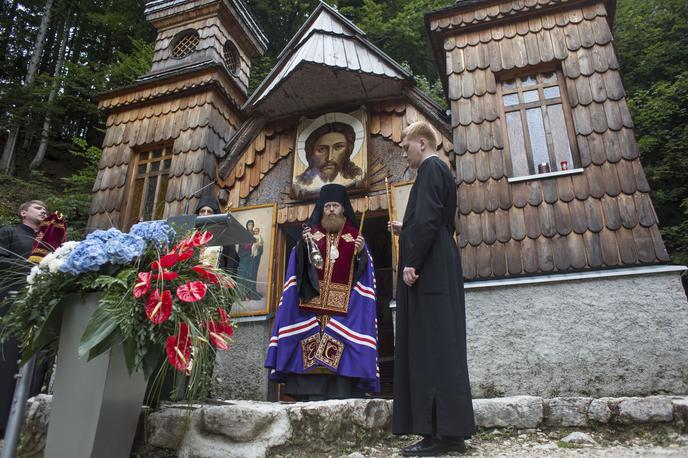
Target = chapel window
(185,43)
(538,122)
(231,56)
(151,176)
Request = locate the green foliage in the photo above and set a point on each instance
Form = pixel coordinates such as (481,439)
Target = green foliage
(75,200)
(651,38)
(130,66)
(652,43)
(70,196)
(661,117)
(432,88)
(398,28)
(109,45)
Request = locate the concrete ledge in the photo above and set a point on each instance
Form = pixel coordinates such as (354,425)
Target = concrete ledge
(258,429)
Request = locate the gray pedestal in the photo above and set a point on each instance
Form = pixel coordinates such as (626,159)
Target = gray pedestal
(96,404)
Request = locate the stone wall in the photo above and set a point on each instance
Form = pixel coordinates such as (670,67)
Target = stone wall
(617,336)
(239,372)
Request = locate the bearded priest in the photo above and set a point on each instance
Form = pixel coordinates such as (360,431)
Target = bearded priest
(324,341)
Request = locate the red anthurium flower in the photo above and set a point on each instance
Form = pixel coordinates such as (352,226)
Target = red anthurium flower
(224,318)
(192,291)
(178,348)
(205,273)
(220,333)
(201,238)
(185,253)
(143,285)
(159,308)
(165,261)
(165,275)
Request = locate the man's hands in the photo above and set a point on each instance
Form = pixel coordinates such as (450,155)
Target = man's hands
(304,234)
(410,276)
(394,227)
(360,243)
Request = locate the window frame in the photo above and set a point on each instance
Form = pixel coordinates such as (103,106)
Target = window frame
(563,99)
(131,215)
(181,36)
(231,48)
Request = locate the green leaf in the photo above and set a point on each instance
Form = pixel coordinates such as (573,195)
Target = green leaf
(49,330)
(129,349)
(99,328)
(105,344)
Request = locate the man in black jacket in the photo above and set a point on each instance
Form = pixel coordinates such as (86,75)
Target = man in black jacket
(16,243)
(432,396)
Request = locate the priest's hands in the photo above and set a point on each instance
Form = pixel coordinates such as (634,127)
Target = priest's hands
(410,276)
(394,227)
(360,243)
(305,233)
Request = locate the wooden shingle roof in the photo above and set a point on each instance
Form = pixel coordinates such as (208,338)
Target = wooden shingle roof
(469,14)
(327,51)
(601,217)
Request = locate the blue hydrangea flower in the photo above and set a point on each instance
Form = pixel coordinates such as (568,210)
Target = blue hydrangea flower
(123,249)
(158,232)
(104,236)
(89,255)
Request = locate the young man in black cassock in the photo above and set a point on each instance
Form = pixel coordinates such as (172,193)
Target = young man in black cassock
(432,395)
(16,243)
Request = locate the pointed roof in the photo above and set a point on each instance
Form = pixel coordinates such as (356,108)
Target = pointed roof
(156,10)
(327,52)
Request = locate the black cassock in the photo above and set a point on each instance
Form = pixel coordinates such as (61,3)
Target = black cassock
(430,368)
(15,244)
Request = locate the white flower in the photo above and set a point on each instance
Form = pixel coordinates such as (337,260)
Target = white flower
(31,278)
(54,265)
(46,259)
(65,249)
(53,261)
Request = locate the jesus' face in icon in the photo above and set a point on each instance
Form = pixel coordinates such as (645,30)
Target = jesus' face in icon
(328,151)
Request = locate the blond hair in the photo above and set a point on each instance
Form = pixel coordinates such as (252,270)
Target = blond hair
(421,129)
(25,206)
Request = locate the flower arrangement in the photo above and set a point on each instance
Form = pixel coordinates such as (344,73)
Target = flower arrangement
(157,298)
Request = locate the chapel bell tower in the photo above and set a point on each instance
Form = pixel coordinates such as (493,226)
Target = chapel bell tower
(166,132)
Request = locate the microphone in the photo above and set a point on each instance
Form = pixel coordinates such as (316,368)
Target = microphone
(186,204)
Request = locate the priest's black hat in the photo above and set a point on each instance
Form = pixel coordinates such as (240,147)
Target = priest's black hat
(208,200)
(332,193)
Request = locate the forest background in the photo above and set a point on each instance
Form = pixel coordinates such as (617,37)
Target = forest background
(56,56)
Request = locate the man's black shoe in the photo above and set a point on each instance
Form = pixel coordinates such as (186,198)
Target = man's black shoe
(432,446)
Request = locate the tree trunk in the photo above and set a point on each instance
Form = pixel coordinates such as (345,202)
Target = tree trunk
(8,153)
(45,132)
(8,30)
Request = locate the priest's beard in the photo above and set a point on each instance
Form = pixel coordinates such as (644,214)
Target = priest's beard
(333,223)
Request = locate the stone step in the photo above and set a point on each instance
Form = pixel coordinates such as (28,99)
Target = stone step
(257,429)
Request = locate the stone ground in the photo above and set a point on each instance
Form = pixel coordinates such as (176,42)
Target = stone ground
(636,441)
